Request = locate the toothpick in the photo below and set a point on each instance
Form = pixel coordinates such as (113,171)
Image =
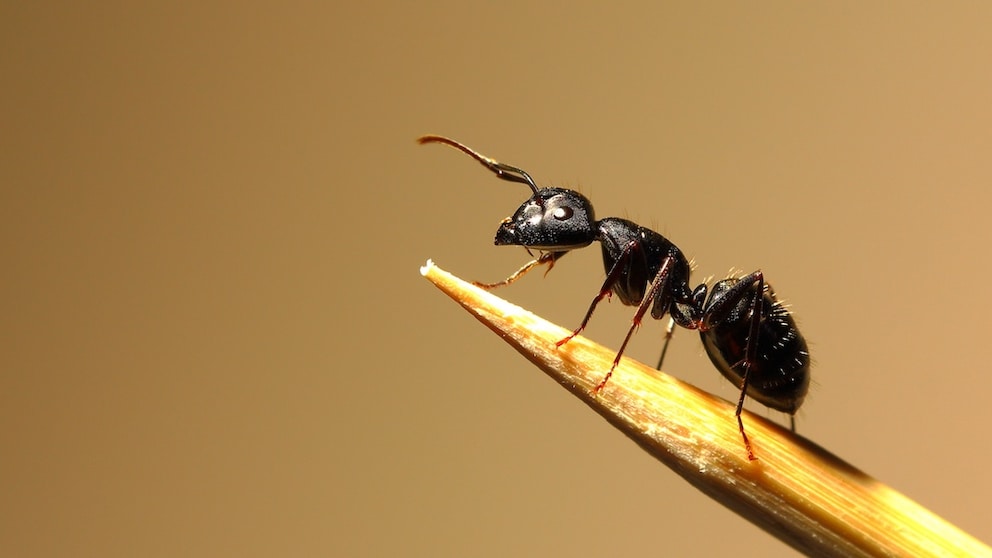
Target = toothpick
(795,490)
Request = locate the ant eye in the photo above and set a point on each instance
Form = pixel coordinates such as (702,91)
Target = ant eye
(563,213)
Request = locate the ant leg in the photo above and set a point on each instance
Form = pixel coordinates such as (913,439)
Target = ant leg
(658,284)
(740,407)
(611,279)
(714,313)
(690,319)
(669,332)
(545,258)
(751,351)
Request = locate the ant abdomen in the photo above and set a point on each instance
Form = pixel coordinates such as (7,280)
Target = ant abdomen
(778,374)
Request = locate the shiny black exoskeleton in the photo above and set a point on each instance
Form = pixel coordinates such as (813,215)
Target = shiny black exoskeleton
(749,336)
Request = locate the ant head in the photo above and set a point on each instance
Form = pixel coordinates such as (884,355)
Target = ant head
(552,219)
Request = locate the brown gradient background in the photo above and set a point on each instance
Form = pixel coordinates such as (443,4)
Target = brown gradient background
(216,342)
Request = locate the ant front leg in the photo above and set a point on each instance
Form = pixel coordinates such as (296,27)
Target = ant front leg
(545,258)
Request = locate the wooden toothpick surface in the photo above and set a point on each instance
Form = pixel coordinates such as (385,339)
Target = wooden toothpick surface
(795,490)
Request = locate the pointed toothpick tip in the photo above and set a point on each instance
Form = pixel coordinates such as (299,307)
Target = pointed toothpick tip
(795,490)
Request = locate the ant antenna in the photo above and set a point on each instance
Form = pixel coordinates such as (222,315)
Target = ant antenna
(506,172)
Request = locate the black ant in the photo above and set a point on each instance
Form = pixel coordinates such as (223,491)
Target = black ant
(748,334)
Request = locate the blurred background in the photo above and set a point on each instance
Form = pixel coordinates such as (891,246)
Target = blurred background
(215,340)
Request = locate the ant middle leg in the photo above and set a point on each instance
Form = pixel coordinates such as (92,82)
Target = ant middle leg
(612,277)
(658,287)
(669,332)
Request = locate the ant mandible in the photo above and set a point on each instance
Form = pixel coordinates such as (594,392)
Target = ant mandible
(748,334)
